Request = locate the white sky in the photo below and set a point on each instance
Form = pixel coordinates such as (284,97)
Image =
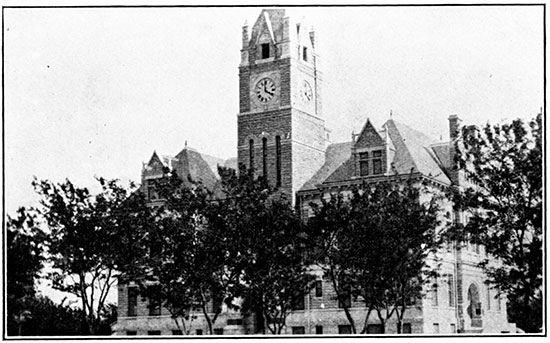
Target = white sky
(96,91)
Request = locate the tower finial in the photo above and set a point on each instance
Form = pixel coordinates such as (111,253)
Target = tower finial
(186,144)
(391,114)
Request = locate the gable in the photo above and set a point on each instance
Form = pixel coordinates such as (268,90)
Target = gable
(369,137)
(154,167)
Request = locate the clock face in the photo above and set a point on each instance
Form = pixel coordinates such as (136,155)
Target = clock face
(305,92)
(265,90)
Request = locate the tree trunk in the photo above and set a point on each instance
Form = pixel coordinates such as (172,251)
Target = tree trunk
(204,305)
(364,330)
(346,310)
(382,320)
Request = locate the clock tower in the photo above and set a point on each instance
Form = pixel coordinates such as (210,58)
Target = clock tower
(281,133)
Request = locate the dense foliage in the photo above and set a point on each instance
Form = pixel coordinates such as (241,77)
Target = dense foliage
(503,164)
(375,246)
(88,237)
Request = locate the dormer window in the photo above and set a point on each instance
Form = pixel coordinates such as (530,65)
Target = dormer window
(265,50)
(363,163)
(377,162)
(152,191)
(370,162)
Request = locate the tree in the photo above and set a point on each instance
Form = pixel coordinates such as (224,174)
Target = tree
(269,245)
(504,197)
(396,234)
(378,246)
(332,242)
(86,237)
(46,318)
(185,266)
(25,257)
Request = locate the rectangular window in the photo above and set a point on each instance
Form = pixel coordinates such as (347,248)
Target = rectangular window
(305,54)
(344,329)
(410,301)
(218,331)
(436,327)
(453,328)
(154,301)
(488,298)
(217,303)
(265,50)
(177,333)
(153,333)
(377,162)
(451,285)
(407,328)
(237,321)
(364,163)
(435,300)
(376,166)
(199,332)
(318,330)
(319,288)
(374,328)
(298,304)
(132,301)
(345,300)
(499,304)
(298,330)
(131,333)
(264,153)
(278,161)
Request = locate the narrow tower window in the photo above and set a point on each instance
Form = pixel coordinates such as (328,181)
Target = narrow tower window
(305,54)
(278,154)
(264,147)
(265,50)
(251,153)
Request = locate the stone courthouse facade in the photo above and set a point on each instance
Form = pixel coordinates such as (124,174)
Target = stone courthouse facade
(282,134)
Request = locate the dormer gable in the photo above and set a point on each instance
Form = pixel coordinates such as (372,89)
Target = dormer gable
(368,137)
(155,168)
(369,152)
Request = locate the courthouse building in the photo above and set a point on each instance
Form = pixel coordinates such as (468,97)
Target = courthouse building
(282,134)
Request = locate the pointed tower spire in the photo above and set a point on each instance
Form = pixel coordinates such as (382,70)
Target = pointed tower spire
(245,36)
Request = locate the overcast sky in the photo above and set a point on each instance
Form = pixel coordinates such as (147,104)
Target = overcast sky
(96,91)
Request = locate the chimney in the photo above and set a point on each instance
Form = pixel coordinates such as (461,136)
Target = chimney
(454,123)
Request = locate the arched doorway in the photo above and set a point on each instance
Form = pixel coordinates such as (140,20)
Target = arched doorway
(474,306)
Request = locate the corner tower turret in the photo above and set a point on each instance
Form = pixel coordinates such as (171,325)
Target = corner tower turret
(281,133)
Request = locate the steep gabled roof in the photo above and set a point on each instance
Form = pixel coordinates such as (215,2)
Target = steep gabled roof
(413,152)
(336,155)
(190,164)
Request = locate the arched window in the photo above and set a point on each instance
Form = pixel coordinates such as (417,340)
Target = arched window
(251,153)
(264,148)
(278,160)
